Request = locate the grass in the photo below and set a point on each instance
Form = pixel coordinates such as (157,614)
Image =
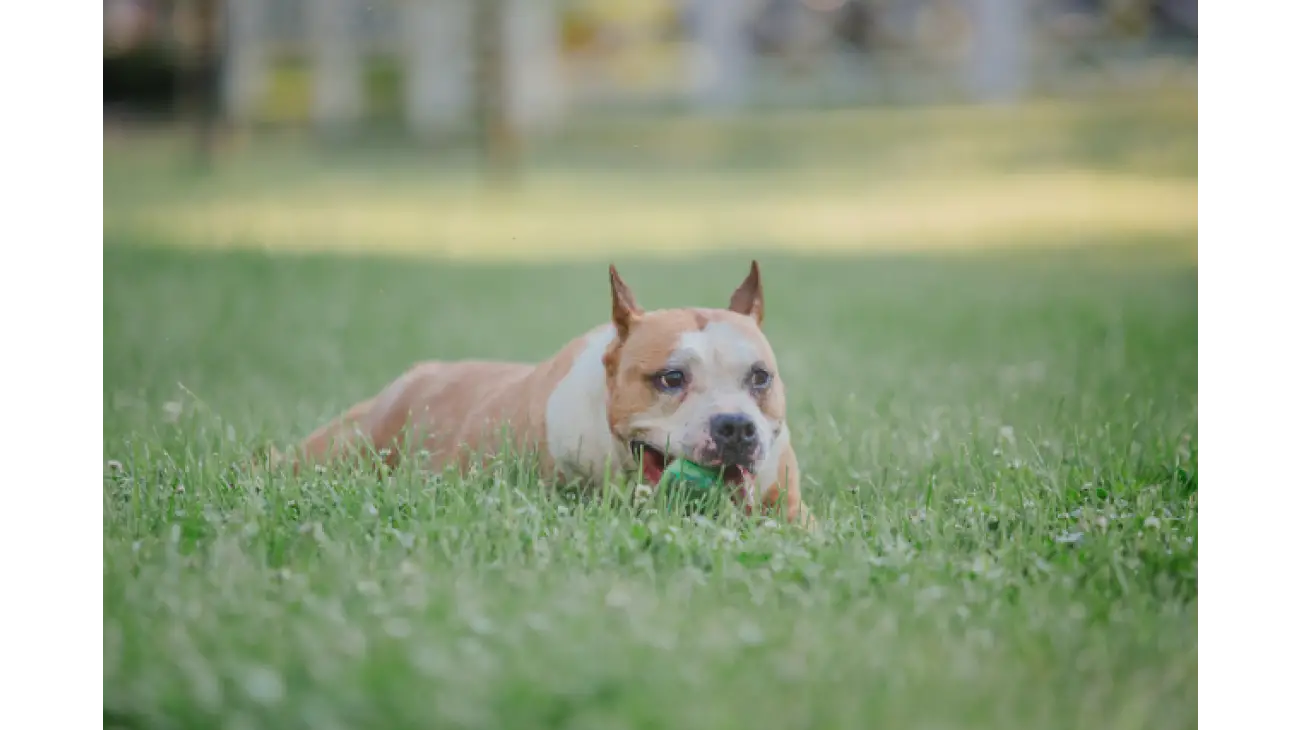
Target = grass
(1001,447)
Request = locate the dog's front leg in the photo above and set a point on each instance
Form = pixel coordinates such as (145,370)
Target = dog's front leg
(783,493)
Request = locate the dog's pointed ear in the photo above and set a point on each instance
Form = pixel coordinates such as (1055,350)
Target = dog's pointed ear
(626,311)
(748,297)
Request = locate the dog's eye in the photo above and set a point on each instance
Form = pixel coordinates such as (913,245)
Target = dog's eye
(759,378)
(669,381)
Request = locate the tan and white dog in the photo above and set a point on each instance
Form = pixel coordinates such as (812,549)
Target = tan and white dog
(639,391)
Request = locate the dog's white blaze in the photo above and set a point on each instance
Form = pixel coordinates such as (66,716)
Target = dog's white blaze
(723,353)
(577,427)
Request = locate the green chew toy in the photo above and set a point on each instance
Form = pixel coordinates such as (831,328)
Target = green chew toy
(688,473)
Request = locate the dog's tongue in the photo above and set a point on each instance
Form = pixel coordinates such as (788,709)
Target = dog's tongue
(652,467)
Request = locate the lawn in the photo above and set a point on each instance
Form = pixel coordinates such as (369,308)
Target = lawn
(1000,446)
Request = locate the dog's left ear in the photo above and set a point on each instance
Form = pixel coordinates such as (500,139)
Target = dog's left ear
(748,298)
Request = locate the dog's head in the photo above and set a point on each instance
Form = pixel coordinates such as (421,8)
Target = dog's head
(696,383)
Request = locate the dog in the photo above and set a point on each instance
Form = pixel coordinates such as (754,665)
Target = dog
(629,396)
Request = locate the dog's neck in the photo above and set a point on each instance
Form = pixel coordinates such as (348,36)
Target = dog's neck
(578,437)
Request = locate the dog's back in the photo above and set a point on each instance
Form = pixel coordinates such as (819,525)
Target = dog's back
(457,404)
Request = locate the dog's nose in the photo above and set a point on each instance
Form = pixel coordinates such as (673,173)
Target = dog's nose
(735,435)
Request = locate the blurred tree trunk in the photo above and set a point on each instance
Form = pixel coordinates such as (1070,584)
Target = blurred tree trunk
(202,74)
(721,58)
(498,140)
(336,73)
(531,55)
(998,70)
(437,35)
(243,58)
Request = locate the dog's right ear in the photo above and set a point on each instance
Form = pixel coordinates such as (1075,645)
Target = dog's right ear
(626,311)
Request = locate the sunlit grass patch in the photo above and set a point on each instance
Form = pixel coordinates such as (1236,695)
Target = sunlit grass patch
(575,216)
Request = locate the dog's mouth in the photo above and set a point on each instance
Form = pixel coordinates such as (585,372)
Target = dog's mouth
(654,461)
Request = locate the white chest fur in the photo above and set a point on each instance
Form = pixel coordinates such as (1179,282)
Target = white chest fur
(577,427)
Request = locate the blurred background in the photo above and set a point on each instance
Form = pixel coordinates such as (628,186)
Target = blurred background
(977,225)
(541,129)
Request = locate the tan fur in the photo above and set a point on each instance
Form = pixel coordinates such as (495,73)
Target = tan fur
(641,352)
(460,409)
(783,495)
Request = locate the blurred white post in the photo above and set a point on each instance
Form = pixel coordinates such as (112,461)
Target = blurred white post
(720,61)
(244,78)
(534,78)
(336,70)
(439,56)
(998,70)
